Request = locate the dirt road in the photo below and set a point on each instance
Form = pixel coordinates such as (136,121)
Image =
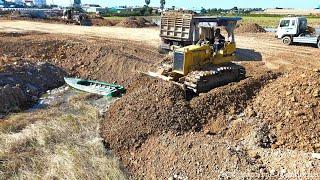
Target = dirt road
(252,47)
(147,35)
(276,55)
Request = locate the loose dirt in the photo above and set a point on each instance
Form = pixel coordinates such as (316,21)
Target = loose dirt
(103,22)
(22,69)
(291,106)
(230,132)
(104,60)
(156,107)
(250,28)
(133,22)
(21,83)
(130,22)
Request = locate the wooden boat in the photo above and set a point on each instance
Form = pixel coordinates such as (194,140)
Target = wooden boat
(96,87)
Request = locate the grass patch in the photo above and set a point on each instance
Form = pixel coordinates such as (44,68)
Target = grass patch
(57,143)
(114,18)
(274,21)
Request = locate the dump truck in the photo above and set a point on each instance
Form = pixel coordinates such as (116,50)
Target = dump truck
(181,28)
(76,17)
(295,30)
(206,63)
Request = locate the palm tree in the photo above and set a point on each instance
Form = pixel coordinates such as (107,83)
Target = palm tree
(162,3)
(147,2)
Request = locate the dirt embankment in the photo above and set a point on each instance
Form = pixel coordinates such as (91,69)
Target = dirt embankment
(135,22)
(103,22)
(156,107)
(130,22)
(222,133)
(228,131)
(250,28)
(291,105)
(104,60)
(21,83)
(24,76)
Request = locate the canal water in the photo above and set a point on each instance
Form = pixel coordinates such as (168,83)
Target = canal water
(61,96)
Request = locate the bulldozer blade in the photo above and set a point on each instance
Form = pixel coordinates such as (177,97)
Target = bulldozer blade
(162,77)
(156,75)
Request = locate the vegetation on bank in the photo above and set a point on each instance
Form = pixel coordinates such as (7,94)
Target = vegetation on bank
(273,21)
(264,21)
(56,143)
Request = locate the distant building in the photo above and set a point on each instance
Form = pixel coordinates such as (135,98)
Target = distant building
(93,8)
(39,2)
(29,2)
(15,1)
(118,9)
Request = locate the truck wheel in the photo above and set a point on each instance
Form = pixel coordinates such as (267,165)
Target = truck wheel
(319,44)
(163,51)
(286,40)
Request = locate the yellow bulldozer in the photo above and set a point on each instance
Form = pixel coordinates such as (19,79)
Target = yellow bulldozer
(207,62)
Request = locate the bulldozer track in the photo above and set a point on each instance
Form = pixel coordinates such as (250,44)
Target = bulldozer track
(214,76)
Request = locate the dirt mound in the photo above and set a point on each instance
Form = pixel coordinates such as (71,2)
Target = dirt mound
(291,106)
(103,22)
(133,22)
(156,106)
(250,28)
(22,83)
(130,23)
(103,60)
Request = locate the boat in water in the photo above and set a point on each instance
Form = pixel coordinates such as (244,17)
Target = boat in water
(96,87)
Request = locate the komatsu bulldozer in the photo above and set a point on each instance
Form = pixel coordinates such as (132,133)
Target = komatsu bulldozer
(207,63)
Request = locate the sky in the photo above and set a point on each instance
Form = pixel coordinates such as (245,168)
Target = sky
(197,4)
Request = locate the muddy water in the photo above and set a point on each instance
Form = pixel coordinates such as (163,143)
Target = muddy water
(62,95)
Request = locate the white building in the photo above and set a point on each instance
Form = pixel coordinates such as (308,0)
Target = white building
(93,8)
(16,1)
(29,2)
(39,2)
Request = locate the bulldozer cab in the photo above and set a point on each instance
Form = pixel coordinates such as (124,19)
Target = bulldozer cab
(206,48)
(207,26)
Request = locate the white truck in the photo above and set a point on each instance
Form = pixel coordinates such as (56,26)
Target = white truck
(295,30)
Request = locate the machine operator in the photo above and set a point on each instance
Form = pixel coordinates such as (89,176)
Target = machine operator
(219,40)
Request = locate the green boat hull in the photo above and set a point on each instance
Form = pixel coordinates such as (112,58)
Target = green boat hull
(96,87)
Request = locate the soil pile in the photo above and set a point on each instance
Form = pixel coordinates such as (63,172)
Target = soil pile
(250,28)
(90,21)
(133,22)
(291,106)
(103,60)
(103,22)
(17,16)
(22,83)
(155,106)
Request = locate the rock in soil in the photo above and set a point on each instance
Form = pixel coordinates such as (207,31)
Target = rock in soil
(291,106)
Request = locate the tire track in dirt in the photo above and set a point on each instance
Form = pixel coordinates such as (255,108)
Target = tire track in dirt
(276,55)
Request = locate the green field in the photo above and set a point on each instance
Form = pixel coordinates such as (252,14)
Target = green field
(273,21)
(264,21)
(114,18)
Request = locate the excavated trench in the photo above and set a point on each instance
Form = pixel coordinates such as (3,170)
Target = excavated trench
(153,109)
(32,63)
